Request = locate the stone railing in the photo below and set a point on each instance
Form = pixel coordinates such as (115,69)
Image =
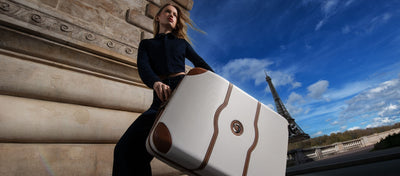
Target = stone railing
(316,153)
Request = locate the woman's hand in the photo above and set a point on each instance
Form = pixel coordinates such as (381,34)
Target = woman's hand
(163,91)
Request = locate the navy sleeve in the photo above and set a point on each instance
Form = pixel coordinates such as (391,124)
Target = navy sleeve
(146,73)
(195,58)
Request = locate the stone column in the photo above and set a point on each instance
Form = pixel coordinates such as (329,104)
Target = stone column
(339,147)
(69,85)
(318,153)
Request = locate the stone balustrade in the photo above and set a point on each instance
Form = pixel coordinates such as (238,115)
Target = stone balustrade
(317,153)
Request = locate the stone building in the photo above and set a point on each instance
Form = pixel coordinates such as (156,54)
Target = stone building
(69,85)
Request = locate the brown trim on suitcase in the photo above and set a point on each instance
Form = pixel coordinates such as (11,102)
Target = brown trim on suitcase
(196,71)
(216,130)
(253,146)
(162,138)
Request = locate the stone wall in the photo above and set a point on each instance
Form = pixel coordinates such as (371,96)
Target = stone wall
(69,85)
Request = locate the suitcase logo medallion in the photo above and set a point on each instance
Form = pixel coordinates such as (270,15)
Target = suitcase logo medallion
(237,128)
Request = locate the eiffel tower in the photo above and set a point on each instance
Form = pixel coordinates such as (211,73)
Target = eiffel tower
(295,132)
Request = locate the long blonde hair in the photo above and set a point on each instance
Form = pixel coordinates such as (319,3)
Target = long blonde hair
(182,23)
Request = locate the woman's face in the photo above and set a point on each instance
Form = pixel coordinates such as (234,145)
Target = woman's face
(168,17)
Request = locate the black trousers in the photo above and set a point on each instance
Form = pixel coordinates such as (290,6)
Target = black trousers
(130,154)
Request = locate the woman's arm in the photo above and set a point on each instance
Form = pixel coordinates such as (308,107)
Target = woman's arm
(148,76)
(146,73)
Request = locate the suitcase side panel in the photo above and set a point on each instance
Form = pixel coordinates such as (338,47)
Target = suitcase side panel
(255,142)
(216,128)
(269,156)
(229,154)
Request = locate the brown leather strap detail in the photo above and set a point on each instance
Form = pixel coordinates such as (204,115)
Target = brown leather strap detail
(216,130)
(253,146)
(196,71)
(176,74)
(162,138)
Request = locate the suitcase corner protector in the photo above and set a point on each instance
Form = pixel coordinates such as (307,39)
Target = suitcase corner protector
(162,138)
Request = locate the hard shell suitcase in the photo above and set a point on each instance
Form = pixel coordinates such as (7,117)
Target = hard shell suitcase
(211,127)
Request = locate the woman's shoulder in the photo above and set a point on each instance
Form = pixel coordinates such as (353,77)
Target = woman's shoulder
(183,41)
(146,40)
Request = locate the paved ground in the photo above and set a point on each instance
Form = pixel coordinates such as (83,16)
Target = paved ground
(383,168)
(383,162)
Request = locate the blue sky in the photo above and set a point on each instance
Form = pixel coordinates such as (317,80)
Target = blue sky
(334,63)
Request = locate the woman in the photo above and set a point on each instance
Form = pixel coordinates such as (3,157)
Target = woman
(161,65)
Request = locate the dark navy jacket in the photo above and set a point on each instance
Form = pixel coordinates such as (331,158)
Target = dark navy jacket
(164,55)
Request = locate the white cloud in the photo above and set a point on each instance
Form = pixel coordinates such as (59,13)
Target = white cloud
(246,69)
(367,24)
(375,22)
(363,123)
(294,110)
(314,109)
(347,90)
(294,102)
(384,86)
(354,128)
(328,9)
(346,29)
(317,89)
(294,98)
(319,25)
(309,107)
(386,17)
(348,2)
(382,101)
(285,77)
(343,128)
(319,133)
(271,106)
(251,69)
(335,122)
(329,6)
(379,121)
(389,110)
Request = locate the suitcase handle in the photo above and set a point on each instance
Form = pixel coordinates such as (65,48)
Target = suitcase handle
(196,71)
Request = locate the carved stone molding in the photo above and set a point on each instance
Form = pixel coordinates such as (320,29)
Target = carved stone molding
(136,18)
(49,24)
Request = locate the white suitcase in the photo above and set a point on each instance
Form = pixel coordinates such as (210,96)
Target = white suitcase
(210,127)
